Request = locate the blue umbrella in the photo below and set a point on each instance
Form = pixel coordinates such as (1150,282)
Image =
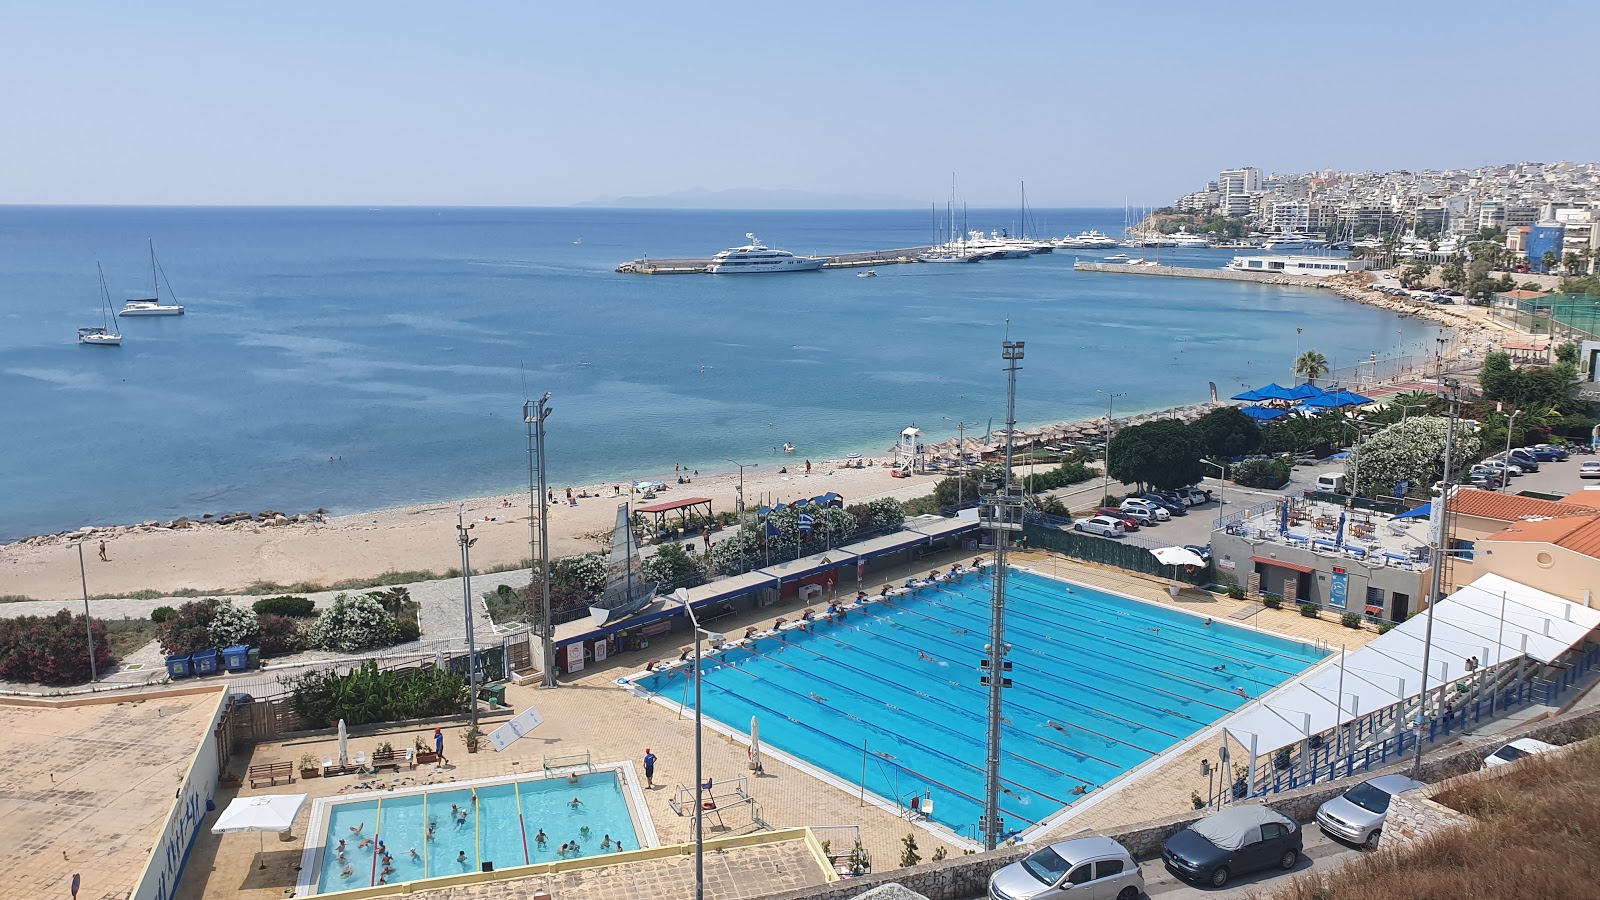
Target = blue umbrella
(1269,392)
(1305,391)
(1338,536)
(1263,413)
(1283,517)
(1422,512)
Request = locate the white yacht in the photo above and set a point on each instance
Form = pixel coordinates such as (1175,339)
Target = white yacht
(152,306)
(1290,240)
(1093,240)
(106,335)
(1189,240)
(756,258)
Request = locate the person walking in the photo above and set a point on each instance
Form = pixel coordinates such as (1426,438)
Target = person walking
(103,557)
(649,769)
(438,744)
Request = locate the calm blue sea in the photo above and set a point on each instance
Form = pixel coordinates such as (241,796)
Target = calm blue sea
(402,342)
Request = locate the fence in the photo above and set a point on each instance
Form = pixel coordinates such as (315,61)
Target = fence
(1132,554)
(1573,317)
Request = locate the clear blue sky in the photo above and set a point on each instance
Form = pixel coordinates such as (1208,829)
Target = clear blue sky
(553,103)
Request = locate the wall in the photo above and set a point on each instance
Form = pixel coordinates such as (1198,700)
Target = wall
(159,881)
(1567,574)
(961,877)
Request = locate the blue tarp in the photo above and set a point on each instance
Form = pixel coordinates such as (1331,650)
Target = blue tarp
(1422,512)
(1263,413)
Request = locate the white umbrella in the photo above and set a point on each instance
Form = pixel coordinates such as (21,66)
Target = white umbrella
(755,745)
(261,814)
(344,745)
(1177,556)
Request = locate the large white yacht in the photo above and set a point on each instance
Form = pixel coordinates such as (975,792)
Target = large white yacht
(1290,240)
(757,258)
(1087,240)
(1186,238)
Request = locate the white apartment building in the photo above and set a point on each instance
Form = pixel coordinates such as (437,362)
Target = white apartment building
(1235,187)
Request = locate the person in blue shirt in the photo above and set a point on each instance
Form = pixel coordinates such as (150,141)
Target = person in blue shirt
(649,769)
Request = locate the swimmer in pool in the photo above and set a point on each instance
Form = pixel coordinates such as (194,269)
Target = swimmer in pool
(347,871)
(925,657)
(539,838)
(462,857)
(414,853)
(819,698)
(575,803)
(584,831)
(1243,693)
(605,844)
(356,829)
(1079,791)
(1221,668)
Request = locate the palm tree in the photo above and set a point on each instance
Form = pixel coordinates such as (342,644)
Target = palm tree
(1312,365)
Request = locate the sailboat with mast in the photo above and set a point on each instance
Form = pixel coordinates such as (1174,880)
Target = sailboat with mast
(152,306)
(107,334)
(626,591)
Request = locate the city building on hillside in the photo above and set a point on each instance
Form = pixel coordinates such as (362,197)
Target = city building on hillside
(1313,266)
(1545,237)
(1235,187)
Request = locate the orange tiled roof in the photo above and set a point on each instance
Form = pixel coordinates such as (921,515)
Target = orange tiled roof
(1524,295)
(1589,496)
(1510,507)
(1580,534)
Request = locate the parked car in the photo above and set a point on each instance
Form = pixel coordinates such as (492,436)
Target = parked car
(1357,815)
(1096,868)
(1561,453)
(1545,453)
(1589,469)
(1157,512)
(1172,505)
(1105,526)
(1129,523)
(1204,552)
(1516,750)
(1143,516)
(1523,460)
(1442,300)
(1194,496)
(1233,842)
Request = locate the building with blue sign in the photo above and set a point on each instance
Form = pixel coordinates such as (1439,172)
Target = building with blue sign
(1545,237)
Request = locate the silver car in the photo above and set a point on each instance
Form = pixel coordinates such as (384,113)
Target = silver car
(1089,868)
(1357,815)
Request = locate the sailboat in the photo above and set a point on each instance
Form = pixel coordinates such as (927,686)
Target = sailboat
(106,335)
(152,306)
(626,591)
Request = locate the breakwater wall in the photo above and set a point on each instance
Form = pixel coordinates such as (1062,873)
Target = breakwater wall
(1187,272)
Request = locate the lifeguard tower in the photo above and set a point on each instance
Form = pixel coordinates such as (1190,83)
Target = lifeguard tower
(910,451)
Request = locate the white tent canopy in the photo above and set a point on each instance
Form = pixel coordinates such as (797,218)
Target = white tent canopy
(1466,624)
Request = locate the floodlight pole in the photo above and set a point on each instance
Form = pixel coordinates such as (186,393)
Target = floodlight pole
(534,415)
(961,453)
(466,543)
(1004,510)
(699,776)
(1105,487)
(1511,424)
(1437,536)
(742,467)
(88,626)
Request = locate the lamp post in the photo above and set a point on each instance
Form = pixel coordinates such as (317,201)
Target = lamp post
(88,626)
(1511,423)
(534,415)
(466,601)
(699,777)
(1111,400)
(1222,494)
(742,467)
(961,452)
(1436,541)
(1406,408)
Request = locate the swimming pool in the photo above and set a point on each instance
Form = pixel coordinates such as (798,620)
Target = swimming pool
(889,698)
(494,821)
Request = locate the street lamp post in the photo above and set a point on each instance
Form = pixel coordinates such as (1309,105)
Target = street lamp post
(88,626)
(1406,408)
(742,467)
(699,776)
(1511,424)
(1295,371)
(466,601)
(961,453)
(534,415)
(1437,536)
(1222,494)
(1111,400)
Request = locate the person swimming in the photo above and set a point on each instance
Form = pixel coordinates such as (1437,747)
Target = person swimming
(605,843)
(1221,668)
(347,871)
(414,854)
(583,832)
(540,838)
(1242,692)
(356,829)
(563,851)
(1079,790)
(462,857)
(365,844)
(818,697)
(341,845)
(575,803)
(925,657)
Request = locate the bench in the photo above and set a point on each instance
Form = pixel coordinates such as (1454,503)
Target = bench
(385,759)
(270,773)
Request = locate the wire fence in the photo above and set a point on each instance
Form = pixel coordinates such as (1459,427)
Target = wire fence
(1133,554)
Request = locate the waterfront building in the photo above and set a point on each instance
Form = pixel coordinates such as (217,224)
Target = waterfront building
(1313,266)
(1235,187)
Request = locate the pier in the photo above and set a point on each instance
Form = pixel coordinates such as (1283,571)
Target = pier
(1139,268)
(697,265)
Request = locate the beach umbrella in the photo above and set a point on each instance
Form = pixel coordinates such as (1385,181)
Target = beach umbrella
(344,744)
(1177,556)
(1283,516)
(1338,537)
(755,745)
(261,814)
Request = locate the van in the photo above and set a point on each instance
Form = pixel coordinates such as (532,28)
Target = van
(1331,482)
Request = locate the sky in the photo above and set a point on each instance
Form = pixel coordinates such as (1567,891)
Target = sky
(546,104)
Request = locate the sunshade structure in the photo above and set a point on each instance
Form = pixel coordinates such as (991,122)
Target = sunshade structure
(1263,413)
(1177,556)
(1272,391)
(1422,512)
(261,814)
(1335,400)
(1305,391)
(1388,671)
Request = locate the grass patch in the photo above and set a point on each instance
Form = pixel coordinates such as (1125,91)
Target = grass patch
(15,598)
(128,635)
(1533,836)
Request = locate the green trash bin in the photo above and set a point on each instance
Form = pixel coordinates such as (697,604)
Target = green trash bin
(495,694)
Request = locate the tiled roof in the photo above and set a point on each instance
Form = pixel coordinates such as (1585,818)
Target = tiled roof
(1510,507)
(1580,534)
(1588,496)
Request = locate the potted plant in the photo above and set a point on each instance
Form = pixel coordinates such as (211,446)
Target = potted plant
(309,767)
(425,754)
(472,736)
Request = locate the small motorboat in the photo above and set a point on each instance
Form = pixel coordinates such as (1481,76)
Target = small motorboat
(1116,257)
(870,273)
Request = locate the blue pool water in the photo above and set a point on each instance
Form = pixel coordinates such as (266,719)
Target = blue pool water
(502,828)
(1100,684)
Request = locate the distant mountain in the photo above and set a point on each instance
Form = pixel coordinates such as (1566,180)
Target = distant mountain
(754,198)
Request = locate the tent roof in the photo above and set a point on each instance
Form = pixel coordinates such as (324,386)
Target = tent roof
(1422,512)
(263,812)
(1386,671)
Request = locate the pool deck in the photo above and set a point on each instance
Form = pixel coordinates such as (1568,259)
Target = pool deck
(590,713)
(87,787)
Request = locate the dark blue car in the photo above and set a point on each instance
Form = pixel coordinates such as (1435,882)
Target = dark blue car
(1236,841)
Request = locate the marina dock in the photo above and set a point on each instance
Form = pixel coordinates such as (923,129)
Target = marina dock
(697,265)
(1138,268)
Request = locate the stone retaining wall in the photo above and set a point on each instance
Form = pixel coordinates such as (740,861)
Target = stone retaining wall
(968,876)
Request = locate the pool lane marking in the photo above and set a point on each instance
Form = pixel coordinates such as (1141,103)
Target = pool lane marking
(426,836)
(377,832)
(527,858)
(880,730)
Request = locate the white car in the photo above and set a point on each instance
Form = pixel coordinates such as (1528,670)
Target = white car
(1589,469)
(1096,868)
(1516,750)
(1156,511)
(1105,526)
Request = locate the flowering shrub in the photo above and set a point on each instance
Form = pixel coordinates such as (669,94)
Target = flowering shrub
(50,649)
(1412,450)
(232,626)
(188,629)
(279,635)
(353,623)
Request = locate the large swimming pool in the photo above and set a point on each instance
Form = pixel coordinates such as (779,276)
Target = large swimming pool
(490,821)
(889,698)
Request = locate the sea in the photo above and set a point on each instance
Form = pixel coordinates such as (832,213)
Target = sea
(355,359)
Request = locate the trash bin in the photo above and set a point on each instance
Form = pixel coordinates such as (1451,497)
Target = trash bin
(204,662)
(255,657)
(178,666)
(236,659)
(495,694)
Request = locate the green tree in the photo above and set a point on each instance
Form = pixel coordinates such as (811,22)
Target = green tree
(1454,274)
(1226,432)
(1549,260)
(1570,263)
(1312,365)
(1415,274)
(1567,352)
(1164,454)
(673,567)
(1410,451)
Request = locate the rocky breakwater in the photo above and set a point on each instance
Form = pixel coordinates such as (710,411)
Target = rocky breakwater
(232,521)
